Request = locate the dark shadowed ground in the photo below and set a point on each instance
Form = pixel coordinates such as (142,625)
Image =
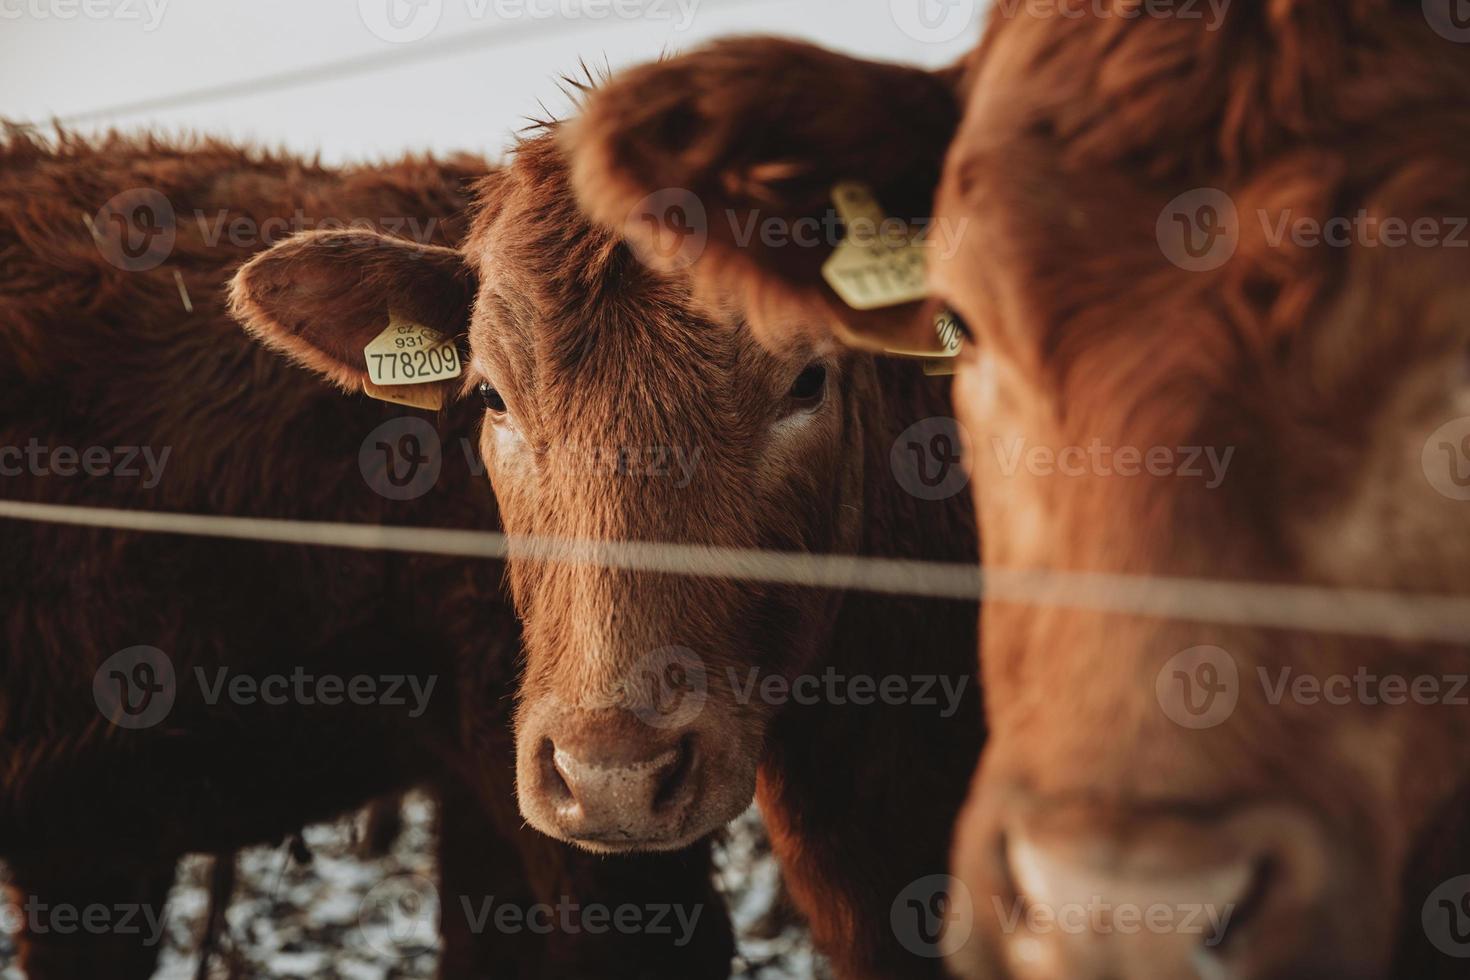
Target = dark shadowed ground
(323,920)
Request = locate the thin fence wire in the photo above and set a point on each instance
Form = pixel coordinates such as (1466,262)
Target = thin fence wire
(1353,612)
(482,39)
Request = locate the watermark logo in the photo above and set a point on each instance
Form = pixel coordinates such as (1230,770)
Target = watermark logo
(1205,463)
(569,918)
(1101,918)
(401,458)
(1199,230)
(1446,459)
(927,458)
(668,688)
(399,917)
(149,12)
(933,21)
(1210,12)
(1198,687)
(944,692)
(668,229)
(933,916)
(1450,19)
(1446,917)
(400,21)
(136,229)
(135,688)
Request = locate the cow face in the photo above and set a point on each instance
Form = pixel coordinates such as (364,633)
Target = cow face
(1161,796)
(613,412)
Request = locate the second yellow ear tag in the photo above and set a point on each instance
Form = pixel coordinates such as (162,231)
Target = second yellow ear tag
(408,353)
(878,263)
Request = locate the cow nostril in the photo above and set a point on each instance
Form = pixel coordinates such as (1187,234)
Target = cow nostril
(1248,905)
(676,780)
(553,781)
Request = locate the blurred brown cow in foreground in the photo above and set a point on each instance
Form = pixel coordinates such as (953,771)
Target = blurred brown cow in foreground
(1168,241)
(653,706)
(149,695)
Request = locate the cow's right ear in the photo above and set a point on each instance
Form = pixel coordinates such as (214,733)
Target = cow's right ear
(756,133)
(321,297)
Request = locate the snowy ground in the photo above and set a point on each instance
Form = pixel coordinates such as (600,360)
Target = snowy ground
(290,921)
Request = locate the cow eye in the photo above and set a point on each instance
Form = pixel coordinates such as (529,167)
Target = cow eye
(810,385)
(491,397)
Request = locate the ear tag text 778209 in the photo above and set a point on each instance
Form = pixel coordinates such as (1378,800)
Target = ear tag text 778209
(406,355)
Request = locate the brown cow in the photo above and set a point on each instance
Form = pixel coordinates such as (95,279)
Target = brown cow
(594,374)
(104,370)
(1131,199)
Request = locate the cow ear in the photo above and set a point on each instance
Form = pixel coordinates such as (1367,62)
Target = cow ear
(321,297)
(743,131)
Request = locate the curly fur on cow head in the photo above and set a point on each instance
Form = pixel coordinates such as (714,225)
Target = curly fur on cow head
(615,410)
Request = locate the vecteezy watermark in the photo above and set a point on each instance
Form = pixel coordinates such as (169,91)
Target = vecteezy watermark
(410,691)
(48,919)
(404,21)
(927,458)
(1364,687)
(1199,687)
(1098,917)
(934,21)
(137,229)
(138,687)
(1199,230)
(933,916)
(1187,462)
(1211,12)
(121,462)
(670,229)
(570,917)
(666,689)
(148,12)
(135,688)
(1362,230)
(1446,917)
(836,688)
(401,459)
(246,231)
(1446,459)
(1450,19)
(400,916)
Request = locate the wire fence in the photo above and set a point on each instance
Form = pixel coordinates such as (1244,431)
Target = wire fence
(1352,612)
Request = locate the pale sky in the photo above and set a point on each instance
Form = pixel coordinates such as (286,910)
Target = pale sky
(479,65)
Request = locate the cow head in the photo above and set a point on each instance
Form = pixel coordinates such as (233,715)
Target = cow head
(1159,384)
(613,412)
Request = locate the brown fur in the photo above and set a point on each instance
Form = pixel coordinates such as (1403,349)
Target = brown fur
(592,351)
(1325,369)
(93,355)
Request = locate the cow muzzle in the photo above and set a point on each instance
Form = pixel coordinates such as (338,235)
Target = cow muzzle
(1084,893)
(607,781)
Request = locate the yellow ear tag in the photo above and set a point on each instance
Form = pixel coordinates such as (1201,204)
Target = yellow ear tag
(874,266)
(408,353)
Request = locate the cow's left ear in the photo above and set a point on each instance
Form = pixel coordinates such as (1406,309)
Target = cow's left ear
(322,297)
(739,148)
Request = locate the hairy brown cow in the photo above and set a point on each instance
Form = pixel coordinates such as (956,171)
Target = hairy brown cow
(115,393)
(653,706)
(1130,204)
